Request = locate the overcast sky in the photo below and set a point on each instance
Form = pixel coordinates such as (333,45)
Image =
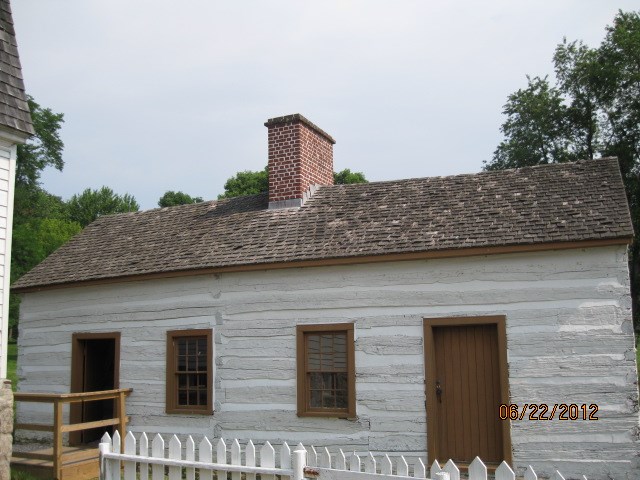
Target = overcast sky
(164,95)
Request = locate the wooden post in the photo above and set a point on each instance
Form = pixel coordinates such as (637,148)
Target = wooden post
(57,439)
(122,417)
(298,460)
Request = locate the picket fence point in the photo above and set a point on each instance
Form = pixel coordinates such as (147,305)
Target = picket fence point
(285,456)
(530,474)
(452,470)
(205,455)
(419,470)
(250,459)
(190,456)
(354,463)
(143,451)
(558,476)
(386,467)
(477,470)
(402,467)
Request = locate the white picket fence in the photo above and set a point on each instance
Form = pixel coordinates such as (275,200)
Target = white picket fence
(297,465)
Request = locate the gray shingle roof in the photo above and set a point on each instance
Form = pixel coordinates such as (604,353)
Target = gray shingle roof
(552,203)
(14,111)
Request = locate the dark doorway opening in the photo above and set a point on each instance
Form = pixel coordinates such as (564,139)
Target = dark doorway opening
(95,362)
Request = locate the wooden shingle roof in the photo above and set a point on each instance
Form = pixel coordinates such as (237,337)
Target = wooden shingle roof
(543,206)
(14,111)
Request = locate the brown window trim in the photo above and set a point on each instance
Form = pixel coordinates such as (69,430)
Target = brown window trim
(171,402)
(301,362)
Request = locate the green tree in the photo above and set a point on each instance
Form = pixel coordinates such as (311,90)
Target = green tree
(30,202)
(90,204)
(43,149)
(593,110)
(171,198)
(40,223)
(536,130)
(250,183)
(346,176)
(34,239)
(246,183)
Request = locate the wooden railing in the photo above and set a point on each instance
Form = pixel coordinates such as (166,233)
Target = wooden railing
(59,428)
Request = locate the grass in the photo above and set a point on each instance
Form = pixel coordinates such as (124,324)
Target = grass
(19,475)
(12,363)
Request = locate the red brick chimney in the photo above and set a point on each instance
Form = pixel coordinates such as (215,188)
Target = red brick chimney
(300,158)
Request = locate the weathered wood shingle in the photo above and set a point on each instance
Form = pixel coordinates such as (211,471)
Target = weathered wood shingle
(545,204)
(14,111)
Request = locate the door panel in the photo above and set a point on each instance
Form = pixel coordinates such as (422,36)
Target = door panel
(464,390)
(467,408)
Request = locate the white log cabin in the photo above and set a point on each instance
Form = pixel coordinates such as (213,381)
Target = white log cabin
(450,317)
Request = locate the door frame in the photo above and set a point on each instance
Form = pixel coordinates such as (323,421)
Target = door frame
(77,373)
(430,375)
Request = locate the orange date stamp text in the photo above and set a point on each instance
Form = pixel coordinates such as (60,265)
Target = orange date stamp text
(544,411)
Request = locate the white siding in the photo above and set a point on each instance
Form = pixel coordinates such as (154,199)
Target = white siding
(7,174)
(569,337)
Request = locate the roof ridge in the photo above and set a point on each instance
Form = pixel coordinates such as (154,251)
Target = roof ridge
(482,172)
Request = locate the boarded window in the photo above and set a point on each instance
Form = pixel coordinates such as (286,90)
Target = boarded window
(189,371)
(326,372)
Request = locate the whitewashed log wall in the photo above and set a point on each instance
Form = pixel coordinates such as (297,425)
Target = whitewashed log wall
(7,176)
(569,337)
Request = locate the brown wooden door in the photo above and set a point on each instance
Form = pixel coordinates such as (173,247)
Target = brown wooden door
(466,393)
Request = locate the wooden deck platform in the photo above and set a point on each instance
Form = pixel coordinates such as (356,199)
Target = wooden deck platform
(68,462)
(78,463)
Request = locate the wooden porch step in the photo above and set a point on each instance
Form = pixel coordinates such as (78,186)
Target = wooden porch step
(79,463)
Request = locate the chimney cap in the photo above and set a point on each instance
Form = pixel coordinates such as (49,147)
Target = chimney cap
(296,117)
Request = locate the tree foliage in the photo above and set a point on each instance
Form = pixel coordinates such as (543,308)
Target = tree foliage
(250,183)
(246,183)
(34,240)
(43,149)
(90,204)
(592,111)
(536,129)
(171,198)
(346,176)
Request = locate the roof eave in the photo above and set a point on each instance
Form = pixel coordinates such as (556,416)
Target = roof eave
(13,135)
(351,260)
